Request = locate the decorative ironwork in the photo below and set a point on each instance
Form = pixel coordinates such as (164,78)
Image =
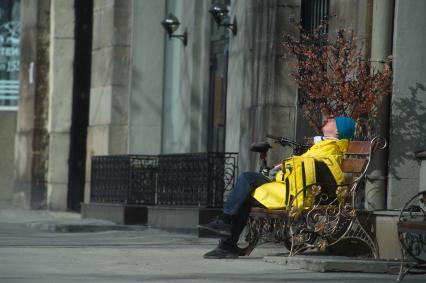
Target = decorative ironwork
(412,235)
(327,222)
(262,228)
(199,179)
(177,179)
(127,179)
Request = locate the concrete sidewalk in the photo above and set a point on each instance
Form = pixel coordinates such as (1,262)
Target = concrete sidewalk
(55,221)
(34,249)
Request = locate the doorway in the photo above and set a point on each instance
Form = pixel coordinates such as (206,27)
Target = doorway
(80,102)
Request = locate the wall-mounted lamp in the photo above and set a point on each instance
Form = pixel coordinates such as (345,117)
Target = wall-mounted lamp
(220,13)
(171,24)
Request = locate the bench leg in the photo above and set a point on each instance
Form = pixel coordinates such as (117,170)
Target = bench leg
(301,237)
(261,229)
(356,231)
(246,251)
(251,235)
(401,268)
(407,266)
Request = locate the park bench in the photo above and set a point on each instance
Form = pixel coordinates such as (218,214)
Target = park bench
(412,235)
(328,221)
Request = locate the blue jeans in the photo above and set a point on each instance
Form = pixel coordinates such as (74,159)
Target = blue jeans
(239,204)
(246,183)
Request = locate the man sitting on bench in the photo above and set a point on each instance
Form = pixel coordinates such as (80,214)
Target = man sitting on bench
(321,163)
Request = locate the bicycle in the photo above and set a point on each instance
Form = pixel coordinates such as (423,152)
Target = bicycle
(263,147)
(252,235)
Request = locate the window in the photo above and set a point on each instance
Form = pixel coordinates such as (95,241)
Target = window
(9,54)
(313,13)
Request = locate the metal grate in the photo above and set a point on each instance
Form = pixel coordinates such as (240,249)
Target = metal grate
(196,179)
(313,13)
(123,179)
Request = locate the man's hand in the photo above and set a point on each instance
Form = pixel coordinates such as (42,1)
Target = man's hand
(274,171)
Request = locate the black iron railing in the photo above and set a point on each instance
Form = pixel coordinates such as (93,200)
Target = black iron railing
(196,179)
(123,179)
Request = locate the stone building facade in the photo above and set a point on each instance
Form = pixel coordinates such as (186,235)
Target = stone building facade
(151,95)
(9,91)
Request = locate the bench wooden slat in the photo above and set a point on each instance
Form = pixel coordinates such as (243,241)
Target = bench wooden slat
(259,210)
(353,165)
(412,227)
(358,147)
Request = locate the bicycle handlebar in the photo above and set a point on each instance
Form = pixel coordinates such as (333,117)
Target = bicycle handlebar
(283,141)
(263,147)
(298,148)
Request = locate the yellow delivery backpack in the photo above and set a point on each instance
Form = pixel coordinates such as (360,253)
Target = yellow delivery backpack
(298,172)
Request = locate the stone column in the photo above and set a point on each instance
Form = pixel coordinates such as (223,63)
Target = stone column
(60,101)
(408,102)
(186,80)
(147,79)
(32,139)
(261,96)
(381,47)
(108,131)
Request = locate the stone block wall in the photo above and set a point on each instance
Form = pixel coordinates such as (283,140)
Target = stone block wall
(108,129)
(261,96)
(7,144)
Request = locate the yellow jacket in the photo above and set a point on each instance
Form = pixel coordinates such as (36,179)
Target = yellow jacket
(298,172)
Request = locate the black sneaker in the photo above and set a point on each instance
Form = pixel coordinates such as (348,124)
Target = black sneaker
(219,252)
(218,226)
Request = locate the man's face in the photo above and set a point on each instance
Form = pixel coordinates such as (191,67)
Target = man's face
(330,129)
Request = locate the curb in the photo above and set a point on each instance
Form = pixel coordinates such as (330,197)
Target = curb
(81,228)
(336,264)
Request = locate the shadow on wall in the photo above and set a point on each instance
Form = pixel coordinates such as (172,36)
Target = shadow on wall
(148,102)
(409,135)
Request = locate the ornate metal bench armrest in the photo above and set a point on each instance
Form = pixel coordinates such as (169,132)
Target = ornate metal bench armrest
(412,234)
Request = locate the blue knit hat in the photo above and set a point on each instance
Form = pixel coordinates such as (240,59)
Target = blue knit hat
(345,127)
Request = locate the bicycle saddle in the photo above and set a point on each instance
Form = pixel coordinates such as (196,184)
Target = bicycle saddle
(261,147)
